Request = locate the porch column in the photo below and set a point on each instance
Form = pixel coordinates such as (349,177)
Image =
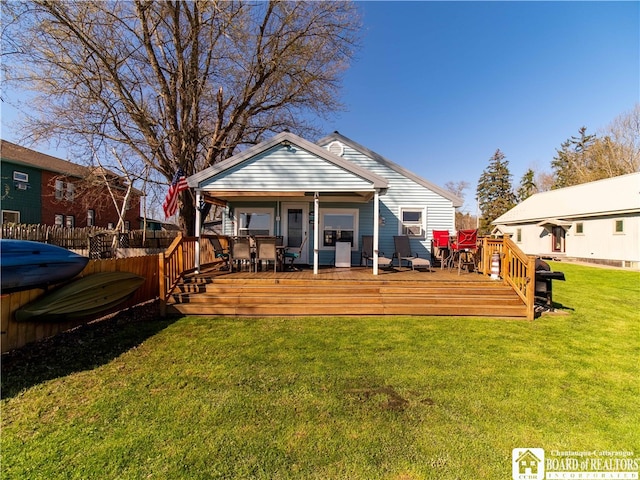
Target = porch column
(376,229)
(316,233)
(198,228)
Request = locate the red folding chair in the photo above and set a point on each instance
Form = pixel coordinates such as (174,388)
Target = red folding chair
(463,248)
(440,246)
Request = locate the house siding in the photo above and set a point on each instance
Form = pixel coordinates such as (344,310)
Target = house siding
(404,192)
(27,202)
(282,169)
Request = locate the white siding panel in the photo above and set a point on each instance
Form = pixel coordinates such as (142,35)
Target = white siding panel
(288,170)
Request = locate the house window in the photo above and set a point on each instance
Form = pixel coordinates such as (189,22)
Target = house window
(255,221)
(413,222)
(91,218)
(127,225)
(21,177)
(59,189)
(619,228)
(70,192)
(10,216)
(58,220)
(339,225)
(579,228)
(70,221)
(519,235)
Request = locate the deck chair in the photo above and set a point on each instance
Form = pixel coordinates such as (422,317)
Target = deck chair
(240,251)
(403,252)
(220,252)
(367,253)
(463,249)
(440,246)
(266,251)
(292,253)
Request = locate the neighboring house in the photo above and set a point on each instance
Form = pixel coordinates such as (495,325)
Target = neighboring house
(597,222)
(41,189)
(324,194)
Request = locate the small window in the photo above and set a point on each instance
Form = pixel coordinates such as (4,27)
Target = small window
(255,221)
(70,192)
(619,226)
(58,220)
(10,216)
(91,218)
(127,225)
(579,228)
(59,189)
(70,221)
(413,222)
(519,235)
(21,177)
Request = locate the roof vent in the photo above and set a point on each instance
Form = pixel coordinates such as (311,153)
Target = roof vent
(336,148)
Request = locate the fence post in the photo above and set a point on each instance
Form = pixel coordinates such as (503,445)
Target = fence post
(163,288)
(531,287)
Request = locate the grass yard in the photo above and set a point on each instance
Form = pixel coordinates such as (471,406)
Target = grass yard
(329,398)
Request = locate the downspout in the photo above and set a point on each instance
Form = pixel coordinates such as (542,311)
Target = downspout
(316,233)
(376,230)
(198,228)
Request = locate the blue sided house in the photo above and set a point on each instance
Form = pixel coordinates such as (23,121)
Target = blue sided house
(324,196)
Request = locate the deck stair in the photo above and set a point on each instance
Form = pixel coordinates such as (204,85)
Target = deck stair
(224,295)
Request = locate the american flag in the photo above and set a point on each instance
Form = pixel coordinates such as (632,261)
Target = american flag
(178,184)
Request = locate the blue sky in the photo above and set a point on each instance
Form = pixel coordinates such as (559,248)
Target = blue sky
(439,86)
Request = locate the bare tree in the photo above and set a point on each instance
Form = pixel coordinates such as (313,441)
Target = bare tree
(179,84)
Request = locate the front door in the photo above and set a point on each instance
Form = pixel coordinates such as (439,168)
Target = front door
(295,218)
(558,239)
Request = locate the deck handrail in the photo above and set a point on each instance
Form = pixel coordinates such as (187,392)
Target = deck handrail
(517,269)
(180,258)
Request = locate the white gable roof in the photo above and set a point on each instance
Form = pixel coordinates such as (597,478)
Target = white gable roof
(604,197)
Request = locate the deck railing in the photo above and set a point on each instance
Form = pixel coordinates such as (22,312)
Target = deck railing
(180,258)
(516,268)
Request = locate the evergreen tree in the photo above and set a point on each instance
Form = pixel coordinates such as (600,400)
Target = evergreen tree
(495,192)
(573,161)
(527,186)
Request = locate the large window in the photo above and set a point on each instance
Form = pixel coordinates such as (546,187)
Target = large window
(10,216)
(339,225)
(413,222)
(254,221)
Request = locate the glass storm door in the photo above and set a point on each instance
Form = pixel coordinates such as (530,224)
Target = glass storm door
(558,239)
(295,220)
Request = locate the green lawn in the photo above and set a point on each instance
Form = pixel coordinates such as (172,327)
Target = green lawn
(329,398)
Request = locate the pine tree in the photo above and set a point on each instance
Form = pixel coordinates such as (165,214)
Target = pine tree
(527,186)
(573,161)
(495,192)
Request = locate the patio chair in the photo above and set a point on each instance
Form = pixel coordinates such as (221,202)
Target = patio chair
(440,246)
(220,252)
(367,253)
(266,251)
(463,249)
(403,252)
(241,251)
(292,253)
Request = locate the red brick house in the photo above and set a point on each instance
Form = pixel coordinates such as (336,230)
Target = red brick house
(41,189)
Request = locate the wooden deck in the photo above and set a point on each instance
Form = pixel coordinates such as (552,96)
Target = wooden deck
(344,291)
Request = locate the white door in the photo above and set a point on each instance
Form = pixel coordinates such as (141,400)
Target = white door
(295,221)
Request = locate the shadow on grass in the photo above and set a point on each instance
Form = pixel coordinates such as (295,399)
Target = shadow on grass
(83,348)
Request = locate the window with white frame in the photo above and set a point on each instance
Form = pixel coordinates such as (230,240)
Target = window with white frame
(413,221)
(70,221)
(21,177)
(10,216)
(619,226)
(59,189)
(91,218)
(58,220)
(254,221)
(69,194)
(339,225)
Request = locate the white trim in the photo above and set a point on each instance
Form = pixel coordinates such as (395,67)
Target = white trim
(262,210)
(341,211)
(410,208)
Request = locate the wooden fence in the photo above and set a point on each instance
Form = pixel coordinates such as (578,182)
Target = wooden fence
(16,334)
(80,238)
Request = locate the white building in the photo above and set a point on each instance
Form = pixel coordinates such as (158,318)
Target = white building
(596,222)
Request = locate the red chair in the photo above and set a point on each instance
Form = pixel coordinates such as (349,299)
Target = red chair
(440,246)
(463,249)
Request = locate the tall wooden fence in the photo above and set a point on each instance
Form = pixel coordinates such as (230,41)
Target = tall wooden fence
(16,334)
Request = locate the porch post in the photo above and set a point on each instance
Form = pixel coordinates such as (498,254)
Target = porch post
(376,229)
(316,234)
(198,228)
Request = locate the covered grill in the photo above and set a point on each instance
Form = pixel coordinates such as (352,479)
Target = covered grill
(544,278)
